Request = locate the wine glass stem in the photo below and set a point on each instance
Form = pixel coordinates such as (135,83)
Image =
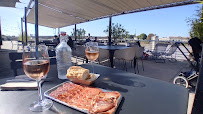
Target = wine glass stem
(92,67)
(39,90)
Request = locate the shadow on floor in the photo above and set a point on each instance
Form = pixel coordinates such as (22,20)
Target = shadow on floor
(162,71)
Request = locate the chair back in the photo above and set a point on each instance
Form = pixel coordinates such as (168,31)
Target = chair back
(103,54)
(52,56)
(101,44)
(135,44)
(171,50)
(139,52)
(16,61)
(160,47)
(79,51)
(132,44)
(126,54)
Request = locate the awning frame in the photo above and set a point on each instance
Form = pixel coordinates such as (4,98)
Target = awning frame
(82,20)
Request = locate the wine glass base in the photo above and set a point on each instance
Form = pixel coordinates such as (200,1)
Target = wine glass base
(41,106)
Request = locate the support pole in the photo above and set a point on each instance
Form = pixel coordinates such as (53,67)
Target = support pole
(25,26)
(75,33)
(22,30)
(109,31)
(36,23)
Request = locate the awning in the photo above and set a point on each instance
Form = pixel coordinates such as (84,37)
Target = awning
(61,13)
(8,3)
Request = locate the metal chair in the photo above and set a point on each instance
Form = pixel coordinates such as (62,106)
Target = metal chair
(103,55)
(170,52)
(16,61)
(125,55)
(19,44)
(190,78)
(158,53)
(79,53)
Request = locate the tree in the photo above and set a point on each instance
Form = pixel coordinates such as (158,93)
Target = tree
(117,32)
(80,33)
(131,36)
(150,36)
(24,38)
(142,36)
(196,25)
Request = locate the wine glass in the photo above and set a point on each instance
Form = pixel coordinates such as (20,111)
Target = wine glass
(92,52)
(36,66)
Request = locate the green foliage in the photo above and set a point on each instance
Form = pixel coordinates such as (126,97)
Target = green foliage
(196,25)
(131,36)
(80,33)
(24,38)
(142,36)
(197,29)
(150,36)
(117,32)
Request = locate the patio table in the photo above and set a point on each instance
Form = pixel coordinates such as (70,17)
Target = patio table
(112,49)
(141,95)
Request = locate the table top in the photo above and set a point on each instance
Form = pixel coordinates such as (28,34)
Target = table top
(141,95)
(116,47)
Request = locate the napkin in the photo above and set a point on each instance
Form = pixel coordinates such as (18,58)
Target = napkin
(21,82)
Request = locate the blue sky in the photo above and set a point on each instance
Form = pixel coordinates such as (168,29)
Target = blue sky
(163,22)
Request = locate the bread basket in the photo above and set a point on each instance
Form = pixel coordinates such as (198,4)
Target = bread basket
(88,81)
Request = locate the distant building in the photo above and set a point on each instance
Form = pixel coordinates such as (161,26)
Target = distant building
(164,39)
(9,38)
(179,39)
(175,39)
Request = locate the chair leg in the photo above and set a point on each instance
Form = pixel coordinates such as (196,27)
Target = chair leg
(160,59)
(172,59)
(142,65)
(135,63)
(125,66)
(15,72)
(121,64)
(134,70)
(137,68)
(118,62)
(84,60)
